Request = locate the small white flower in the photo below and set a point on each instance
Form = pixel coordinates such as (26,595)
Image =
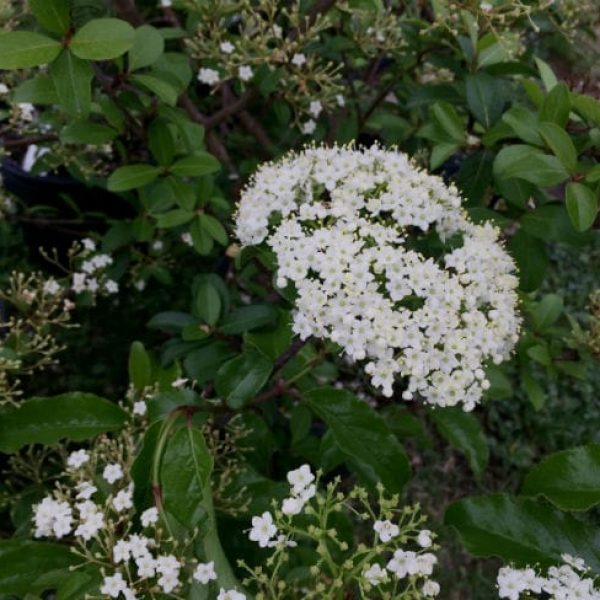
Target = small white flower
(245,73)
(149,516)
(205,572)
(146,566)
(300,478)
(51,287)
(140,285)
(121,551)
(79,283)
(486,6)
(52,518)
(3,89)
(88,244)
(340,100)
(431,588)
(227,47)
(92,285)
(124,499)
(186,238)
(208,76)
(386,530)
(263,529)
(424,538)
(230,595)
(298,59)
(315,108)
(26,110)
(309,127)
(292,506)
(112,287)
(166,3)
(112,473)
(113,585)
(77,459)
(157,245)
(179,383)
(85,490)
(138,544)
(140,408)
(375,574)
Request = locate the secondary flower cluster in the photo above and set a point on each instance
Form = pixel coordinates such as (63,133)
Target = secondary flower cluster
(566,582)
(397,559)
(387,265)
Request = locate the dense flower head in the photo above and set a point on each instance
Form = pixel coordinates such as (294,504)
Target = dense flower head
(569,581)
(387,265)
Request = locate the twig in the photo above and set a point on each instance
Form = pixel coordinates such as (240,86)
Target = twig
(27,141)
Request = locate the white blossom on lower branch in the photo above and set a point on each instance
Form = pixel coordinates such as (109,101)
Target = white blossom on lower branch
(392,559)
(388,266)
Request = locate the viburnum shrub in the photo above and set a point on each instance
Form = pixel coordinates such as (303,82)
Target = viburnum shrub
(288,290)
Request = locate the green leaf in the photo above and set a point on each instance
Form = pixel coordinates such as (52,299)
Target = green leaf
(546,74)
(139,366)
(248,318)
(102,39)
(87,132)
(24,561)
(73,416)
(147,48)
(531,258)
(240,379)
(174,218)
(202,240)
(161,88)
(558,140)
(214,228)
(582,205)
(521,531)
(23,49)
(450,121)
(556,106)
(37,90)
(273,342)
(485,98)
(587,107)
(546,312)
(184,474)
(202,364)
(569,479)
(195,166)
(131,177)
(170,321)
(463,431)
(535,392)
(207,303)
(530,164)
(53,15)
(72,79)
(363,435)
(141,469)
(161,142)
(525,124)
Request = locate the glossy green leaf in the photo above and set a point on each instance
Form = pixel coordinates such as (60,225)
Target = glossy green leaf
(161,142)
(558,140)
(273,341)
(525,124)
(202,240)
(174,218)
(147,48)
(24,561)
(248,318)
(72,416)
(531,258)
(521,531)
(530,164)
(547,311)
(87,132)
(240,379)
(463,431)
(214,228)
(569,479)
(202,364)
(161,88)
(485,98)
(53,15)
(23,49)
(534,391)
(131,177)
(582,205)
(546,74)
(207,302)
(140,368)
(587,107)
(102,39)
(195,166)
(363,435)
(556,105)
(72,78)
(184,474)
(170,321)
(39,89)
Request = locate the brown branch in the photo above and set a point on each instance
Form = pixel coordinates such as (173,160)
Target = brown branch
(27,141)
(256,129)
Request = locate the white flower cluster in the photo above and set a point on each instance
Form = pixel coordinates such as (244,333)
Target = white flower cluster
(414,566)
(91,277)
(566,582)
(387,265)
